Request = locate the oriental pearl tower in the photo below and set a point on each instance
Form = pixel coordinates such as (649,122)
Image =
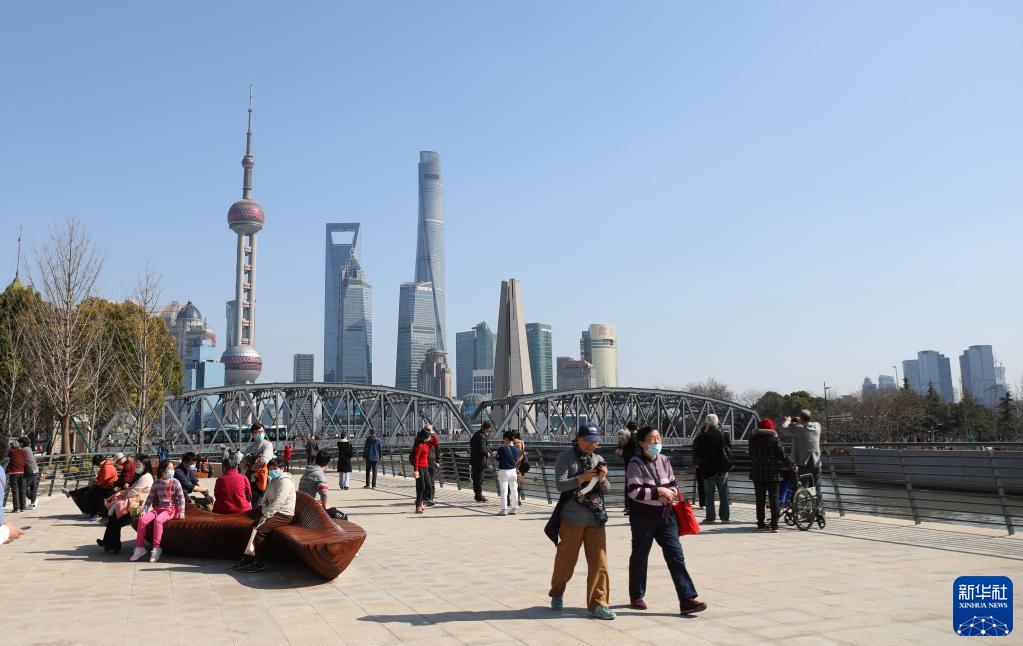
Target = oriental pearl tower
(242,363)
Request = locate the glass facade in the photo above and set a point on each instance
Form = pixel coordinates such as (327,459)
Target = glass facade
(981,378)
(541,360)
(417,332)
(430,240)
(303,368)
(465,357)
(342,244)
(930,368)
(355,360)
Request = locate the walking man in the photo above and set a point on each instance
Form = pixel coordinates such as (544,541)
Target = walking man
(371,452)
(711,454)
(479,456)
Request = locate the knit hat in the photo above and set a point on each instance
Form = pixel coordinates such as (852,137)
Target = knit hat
(766,424)
(712,420)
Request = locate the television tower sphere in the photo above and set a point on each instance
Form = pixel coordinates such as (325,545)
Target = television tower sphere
(245,217)
(242,365)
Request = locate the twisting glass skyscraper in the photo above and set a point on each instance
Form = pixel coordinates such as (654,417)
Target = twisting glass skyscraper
(430,244)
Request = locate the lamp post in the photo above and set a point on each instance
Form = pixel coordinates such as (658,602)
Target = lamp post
(827,421)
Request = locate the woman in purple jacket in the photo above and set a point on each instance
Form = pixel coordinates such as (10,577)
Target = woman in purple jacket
(652,489)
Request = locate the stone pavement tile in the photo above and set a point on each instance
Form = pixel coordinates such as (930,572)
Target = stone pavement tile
(369,634)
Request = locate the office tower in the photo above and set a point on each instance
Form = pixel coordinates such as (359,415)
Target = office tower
(465,358)
(430,243)
(303,368)
(930,368)
(342,245)
(196,345)
(242,364)
(417,332)
(980,375)
(574,374)
(585,347)
(355,341)
(512,374)
(603,354)
(886,382)
(486,343)
(869,389)
(434,374)
(483,382)
(541,360)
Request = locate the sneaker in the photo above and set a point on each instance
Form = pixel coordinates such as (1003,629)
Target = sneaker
(708,522)
(763,528)
(602,612)
(430,503)
(155,556)
(502,513)
(243,562)
(638,604)
(254,567)
(138,553)
(691,606)
(557,603)
(365,487)
(92,519)
(64,491)
(33,505)
(725,521)
(513,512)
(483,499)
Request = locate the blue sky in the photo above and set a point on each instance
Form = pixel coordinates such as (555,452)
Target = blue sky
(690,172)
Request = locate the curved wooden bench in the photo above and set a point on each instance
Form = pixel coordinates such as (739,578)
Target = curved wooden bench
(326,546)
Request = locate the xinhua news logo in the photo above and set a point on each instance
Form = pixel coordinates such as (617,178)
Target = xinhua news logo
(982,606)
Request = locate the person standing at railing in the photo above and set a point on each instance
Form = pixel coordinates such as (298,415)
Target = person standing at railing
(420,458)
(371,453)
(767,460)
(479,457)
(653,489)
(712,454)
(8,531)
(31,471)
(806,445)
(344,461)
(521,466)
(16,476)
(508,457)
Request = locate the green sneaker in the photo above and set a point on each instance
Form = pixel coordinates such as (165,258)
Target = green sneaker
(557,603)
(602,612)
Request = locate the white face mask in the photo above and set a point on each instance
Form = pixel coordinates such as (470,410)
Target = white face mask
(168,474)
(138,471)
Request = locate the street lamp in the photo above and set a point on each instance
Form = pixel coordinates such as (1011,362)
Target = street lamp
(827,421)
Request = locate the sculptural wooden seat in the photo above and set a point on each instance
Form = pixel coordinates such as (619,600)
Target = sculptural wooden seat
(326,546)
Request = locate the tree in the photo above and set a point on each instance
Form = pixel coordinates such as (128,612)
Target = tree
(15,387)
(971,419)
(936,410)
(710,388)
(58,340)
(1006,416)
(106,391)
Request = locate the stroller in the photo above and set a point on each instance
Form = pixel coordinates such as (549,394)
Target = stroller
(801,502)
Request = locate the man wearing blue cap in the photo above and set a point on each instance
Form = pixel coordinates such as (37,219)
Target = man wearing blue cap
(581,477)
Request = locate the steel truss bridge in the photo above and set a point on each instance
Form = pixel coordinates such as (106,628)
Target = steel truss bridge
(288,410)
(559,413)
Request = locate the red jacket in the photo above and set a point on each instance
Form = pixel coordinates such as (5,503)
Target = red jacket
(288,451)
(127,473)
(232,493)
(17,463)
(421,456)
(107,476)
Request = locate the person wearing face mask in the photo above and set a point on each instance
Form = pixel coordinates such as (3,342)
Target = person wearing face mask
(652,488)
(260,447)
(277,510)
(185,474)
(166,501)
(119,505)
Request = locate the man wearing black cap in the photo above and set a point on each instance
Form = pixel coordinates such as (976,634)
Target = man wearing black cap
(479,455)
(581,477)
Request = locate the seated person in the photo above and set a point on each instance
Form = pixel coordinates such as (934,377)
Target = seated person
(185,474)
(119,505)
(232,491)
(314,480)
(125,471)
(166,501)
(277,511)
(258,477)
(90,497)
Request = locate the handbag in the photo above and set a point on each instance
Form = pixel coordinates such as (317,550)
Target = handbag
(687,524)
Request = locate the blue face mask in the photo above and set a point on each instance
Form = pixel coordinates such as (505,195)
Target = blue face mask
(653,450)
(275,474)
(259,437)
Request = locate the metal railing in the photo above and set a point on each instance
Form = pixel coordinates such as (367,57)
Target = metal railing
(969,484)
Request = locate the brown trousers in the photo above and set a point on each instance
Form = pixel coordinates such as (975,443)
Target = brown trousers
(594,541)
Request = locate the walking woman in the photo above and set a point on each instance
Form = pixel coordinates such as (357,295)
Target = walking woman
(119,505)
(652,489)
(166,501)
(425,439)
(344,461)
(767,461)
(508,457)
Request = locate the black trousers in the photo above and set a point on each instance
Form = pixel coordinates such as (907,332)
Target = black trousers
(477,479)
(766,491)
(424,486)
(112,535)
(699,487)
(16,482)
(371,468)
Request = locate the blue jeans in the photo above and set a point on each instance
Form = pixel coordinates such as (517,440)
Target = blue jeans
(646,530)
(720,482)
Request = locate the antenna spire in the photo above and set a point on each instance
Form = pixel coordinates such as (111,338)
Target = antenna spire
(248,161)
(17,270)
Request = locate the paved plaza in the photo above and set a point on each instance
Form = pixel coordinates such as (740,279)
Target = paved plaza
(461,575)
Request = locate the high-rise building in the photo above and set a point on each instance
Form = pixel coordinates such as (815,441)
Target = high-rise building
(435,375)
(574,374)
(886,382)
(930,368)
(541,360)
(585,347)
(355,341)
(486,344)
(602,352)
(303,368)
(242,363)
(483,382)
(465,358)
(342,245)
(417,332)
(430,243)
(869,388)
(512,375)
(197,346)
(981,378)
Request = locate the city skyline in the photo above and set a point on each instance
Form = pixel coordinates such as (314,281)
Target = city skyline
(727,106)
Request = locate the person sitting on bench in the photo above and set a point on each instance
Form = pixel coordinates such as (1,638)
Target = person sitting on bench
(277,510)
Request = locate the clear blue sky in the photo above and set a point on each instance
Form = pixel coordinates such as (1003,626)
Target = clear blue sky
(691,172)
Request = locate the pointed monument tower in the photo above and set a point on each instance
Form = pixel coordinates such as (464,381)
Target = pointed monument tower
(512,375)
(242,364)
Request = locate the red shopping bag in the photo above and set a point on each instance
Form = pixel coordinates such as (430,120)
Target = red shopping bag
(686,518)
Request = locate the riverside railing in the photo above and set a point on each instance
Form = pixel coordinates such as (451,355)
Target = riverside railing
(973,484)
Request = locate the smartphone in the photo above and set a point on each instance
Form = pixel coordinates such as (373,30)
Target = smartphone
(26,528)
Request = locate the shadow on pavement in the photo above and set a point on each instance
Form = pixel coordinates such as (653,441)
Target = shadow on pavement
(535,612)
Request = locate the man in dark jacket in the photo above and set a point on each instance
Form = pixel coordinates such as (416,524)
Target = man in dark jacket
(767,460)
(371,453)
(708,455)
(479,455)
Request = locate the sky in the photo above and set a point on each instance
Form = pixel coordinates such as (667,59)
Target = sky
(777,195)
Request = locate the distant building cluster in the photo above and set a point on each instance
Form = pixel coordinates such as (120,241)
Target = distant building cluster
(979,376)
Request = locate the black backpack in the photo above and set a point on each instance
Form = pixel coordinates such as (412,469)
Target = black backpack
(725,463)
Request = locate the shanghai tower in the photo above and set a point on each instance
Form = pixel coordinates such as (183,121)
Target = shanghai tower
(242,363)
(430,244)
